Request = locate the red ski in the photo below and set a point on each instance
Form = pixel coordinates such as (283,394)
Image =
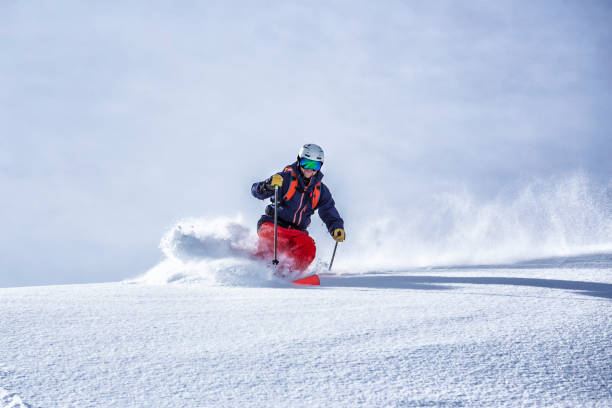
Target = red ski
(309,280)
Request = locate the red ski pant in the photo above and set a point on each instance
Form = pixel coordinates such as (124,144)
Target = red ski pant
(296,250)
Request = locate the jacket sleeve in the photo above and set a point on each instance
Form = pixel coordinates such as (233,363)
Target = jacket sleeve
(328,212)
(259,190)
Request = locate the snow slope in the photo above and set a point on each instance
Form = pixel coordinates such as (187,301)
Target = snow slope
(523,336)
(11,400)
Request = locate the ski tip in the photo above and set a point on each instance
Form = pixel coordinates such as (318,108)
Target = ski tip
(309,280)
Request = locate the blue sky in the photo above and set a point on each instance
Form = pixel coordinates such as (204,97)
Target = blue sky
(117,120)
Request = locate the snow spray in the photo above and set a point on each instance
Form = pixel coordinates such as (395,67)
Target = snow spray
(209,251)
(558,217)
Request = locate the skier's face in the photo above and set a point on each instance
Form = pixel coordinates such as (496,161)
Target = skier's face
(308,173)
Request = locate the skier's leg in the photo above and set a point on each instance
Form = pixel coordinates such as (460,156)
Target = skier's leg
(265,245)
(303,250)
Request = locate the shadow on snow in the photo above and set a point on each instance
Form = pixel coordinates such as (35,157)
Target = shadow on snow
(593,261)
(425,282)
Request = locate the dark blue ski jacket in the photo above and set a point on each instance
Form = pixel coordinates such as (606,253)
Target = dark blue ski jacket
(295,212)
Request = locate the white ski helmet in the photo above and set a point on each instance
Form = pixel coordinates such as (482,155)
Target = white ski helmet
(311,151)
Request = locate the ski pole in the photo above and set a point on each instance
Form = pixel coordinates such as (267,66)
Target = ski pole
(275,261)
(333,256)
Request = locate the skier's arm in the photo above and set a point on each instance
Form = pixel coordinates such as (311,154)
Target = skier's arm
(260,190)
(265,189)
(328,212)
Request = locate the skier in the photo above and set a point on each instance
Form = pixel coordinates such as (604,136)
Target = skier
(300,194)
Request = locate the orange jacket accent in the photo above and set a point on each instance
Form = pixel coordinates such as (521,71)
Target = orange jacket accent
(315,195)
(293,187)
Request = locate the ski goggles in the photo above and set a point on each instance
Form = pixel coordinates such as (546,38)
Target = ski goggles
(310,164)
